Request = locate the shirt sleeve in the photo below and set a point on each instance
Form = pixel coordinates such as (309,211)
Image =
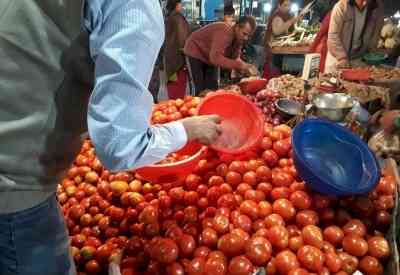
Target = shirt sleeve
(125,38)
(220,42)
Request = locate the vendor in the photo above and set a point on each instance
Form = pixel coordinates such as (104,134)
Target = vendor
(353,31)
(177,30)
(279,23)
(229,15)
(216,45)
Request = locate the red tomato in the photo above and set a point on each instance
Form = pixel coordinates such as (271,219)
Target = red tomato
(242,188)
(312,235)
(240,265)
(233,178)
(196,266)
(254,195)
(378,247)
(333,262)
(371,265)
(266,143)
(264,187)
(279,237)
(201,251)
(280,193)
(356,227)
(281,179)
(92,267)
(301,200)
(243,222)
(237,166)
(209,237)
(334,235)
(165,251)
(349,263)
(231,244)
(284,208)
(286,261)
(215,266)
(307,217)
(274,220)
(249,208)
(281,147)
(295,243)
(310,257)
(221,224)
(270,157)
(258,250)
(187,245)
(227,200)
(263,174)
(265,209)
(175,269)
(355,245)
(250,178)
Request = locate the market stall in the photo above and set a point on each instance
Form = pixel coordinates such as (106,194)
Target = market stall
(231,214)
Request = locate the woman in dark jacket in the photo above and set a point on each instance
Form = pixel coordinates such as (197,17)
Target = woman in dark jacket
(176,33)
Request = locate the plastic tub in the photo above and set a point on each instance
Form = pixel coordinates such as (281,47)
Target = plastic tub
(332,160)
(242,122)
(173,172)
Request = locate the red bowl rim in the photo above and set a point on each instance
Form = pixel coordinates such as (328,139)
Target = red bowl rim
(252,106)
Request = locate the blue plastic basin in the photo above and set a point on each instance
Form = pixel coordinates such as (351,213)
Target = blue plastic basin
(332,160)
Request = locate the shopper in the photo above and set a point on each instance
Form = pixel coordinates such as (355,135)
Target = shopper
(216,45)
(354,30)
(279,23)
(43,116)
(229,15)
(320,44)
(177,31)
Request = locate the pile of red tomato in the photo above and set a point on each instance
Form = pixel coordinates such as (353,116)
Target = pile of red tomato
(225,218)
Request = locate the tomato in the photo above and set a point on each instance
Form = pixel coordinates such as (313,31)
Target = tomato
(301,200)
(355,227)
(355,245)
(237,166)
(281,179)
(215,266)
(76,211)
(349,263)
(192,181)
(334,235)
(87,252)
(263,174)
(221,224)
(258,224)
(196,266)
(254,195)
(270,157)
(231,244)
(276,135)
(242,188)
(386,186)
(281,147)
(273,220)
(209,237)
(258,250)
(225,188)
(213,194)
(311,257)
(241,233)
(233,178)
(284,129)
(279,237)
(333,262)
(202,190)
(227,200)
(382,219)
(240,265)
(187,245)
(191,198)
(249,208)
(243,222)
(264,187)
(312,235)
(280,193)
(307,217)
(284,208)
(165,251)
(378,247)
(286,261)
(177,194)
(384,203)
(92,267)
(264,209)
(175,269)
(293,230)
(201,251)
(266,143)
(298,271)
(215,180)
(295,243)
(250,178)
(321,201)
(262,232)
(371,265)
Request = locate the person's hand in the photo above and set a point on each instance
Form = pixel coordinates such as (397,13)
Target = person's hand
(204,129)
(243,67)
(387,120)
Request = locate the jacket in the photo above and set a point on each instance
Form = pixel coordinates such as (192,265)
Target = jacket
(177,30)
(341,28)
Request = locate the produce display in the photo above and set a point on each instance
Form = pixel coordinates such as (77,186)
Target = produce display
(265,100)
(382,73)
(390,36)
(303,35)
(288,86)
(224,218)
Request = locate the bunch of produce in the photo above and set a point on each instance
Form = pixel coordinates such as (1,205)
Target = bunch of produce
(224,218)
(287,85)
(172,110)
(265,100)
(382,73)
(389,36)
(303,35)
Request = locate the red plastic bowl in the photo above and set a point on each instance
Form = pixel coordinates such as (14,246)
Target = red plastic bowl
(356,75)
(252,86)
(242,122)
(173,172)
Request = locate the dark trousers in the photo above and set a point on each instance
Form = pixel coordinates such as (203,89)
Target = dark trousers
(202,76)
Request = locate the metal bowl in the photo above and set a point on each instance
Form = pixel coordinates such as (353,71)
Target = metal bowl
(288,108)
(334,107)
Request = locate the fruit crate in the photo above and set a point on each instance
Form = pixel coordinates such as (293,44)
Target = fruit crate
(393,235)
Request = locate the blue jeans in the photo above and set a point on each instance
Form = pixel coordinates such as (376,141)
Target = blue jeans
(35,242)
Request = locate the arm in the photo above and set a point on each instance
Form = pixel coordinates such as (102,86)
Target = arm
(280,27)
(220,42)
(125,40)
(335,45)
